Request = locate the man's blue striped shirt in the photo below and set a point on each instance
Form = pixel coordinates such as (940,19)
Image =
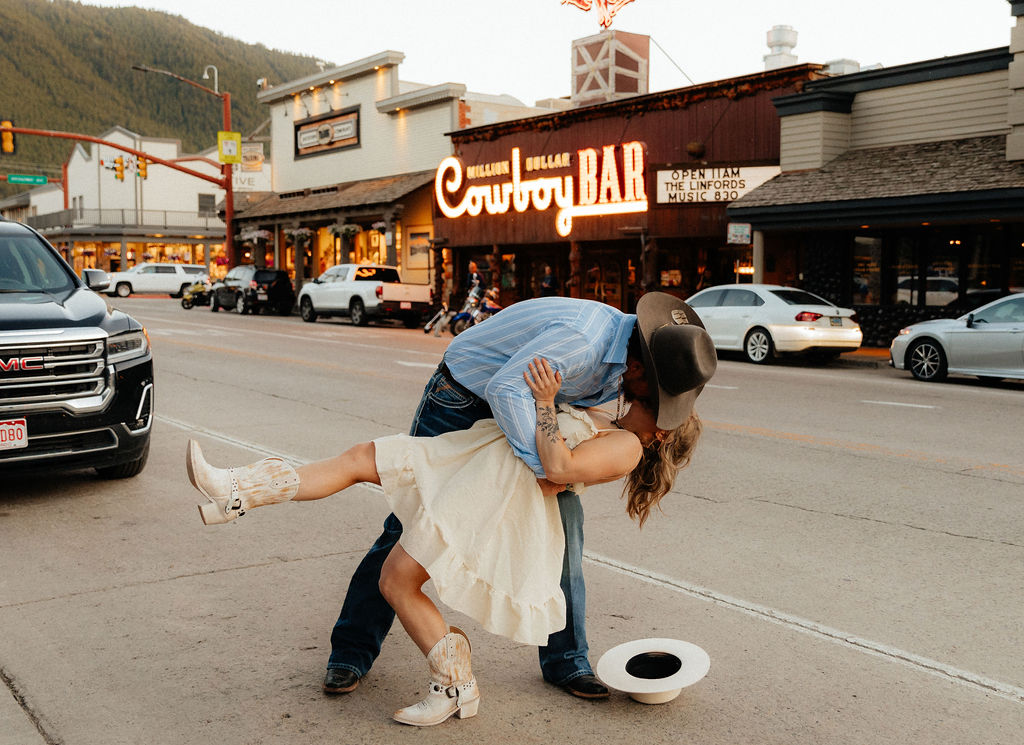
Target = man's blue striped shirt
(584,340)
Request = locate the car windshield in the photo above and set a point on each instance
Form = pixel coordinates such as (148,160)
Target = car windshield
(799,297)
(26,265)
(376,274)
(265,275)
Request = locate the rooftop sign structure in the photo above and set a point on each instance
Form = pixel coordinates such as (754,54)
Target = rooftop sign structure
(606,9)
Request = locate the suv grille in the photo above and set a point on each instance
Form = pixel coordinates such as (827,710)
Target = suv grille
(56,372)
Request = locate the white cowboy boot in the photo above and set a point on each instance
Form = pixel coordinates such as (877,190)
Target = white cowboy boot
(233,491)
(452,689)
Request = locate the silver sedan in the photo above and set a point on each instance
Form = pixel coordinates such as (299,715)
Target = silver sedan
(988,343)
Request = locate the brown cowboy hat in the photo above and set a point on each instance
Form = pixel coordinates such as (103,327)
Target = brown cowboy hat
(679,356)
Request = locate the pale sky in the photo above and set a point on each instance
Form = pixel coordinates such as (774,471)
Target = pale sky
(521,47)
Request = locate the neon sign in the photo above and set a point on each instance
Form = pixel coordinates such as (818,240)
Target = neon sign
(602,190)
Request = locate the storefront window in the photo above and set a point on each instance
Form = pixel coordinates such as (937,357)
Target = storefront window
(942,286)
(1016,266)
(904,266)
(867,270)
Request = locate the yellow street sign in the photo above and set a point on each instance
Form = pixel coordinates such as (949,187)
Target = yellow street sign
(229,147)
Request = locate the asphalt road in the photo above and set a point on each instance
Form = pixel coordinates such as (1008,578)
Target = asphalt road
(848,546)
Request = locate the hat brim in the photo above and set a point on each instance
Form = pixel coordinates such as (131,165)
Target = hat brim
(653,311)
(612,669)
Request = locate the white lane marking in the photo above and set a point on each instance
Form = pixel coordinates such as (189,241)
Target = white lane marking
(898,403)
(760,612)
(246,445)
(722,387)
(415,364)
(316,338)
(804,626)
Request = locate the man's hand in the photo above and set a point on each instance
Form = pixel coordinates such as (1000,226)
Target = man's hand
(543,381)
(550,488)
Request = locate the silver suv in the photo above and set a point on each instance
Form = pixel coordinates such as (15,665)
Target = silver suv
(152,277)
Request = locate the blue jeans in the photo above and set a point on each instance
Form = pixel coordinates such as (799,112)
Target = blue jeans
(366,617)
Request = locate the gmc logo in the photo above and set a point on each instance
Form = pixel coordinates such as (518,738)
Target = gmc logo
(14,364)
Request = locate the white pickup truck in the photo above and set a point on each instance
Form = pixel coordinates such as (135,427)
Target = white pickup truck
(362,292)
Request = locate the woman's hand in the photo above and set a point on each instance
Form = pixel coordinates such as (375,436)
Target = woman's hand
(550,488)
(543,381)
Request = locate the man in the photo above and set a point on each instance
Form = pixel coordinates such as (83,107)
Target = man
(600,353)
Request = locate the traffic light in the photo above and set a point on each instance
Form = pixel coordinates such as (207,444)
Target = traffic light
(142,167)
(6,138)
(119,168)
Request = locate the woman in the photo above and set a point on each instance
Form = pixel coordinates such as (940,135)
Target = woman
(494,554)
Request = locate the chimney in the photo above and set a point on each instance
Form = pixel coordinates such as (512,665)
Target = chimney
(1015,109)
(781,40)
(609,66)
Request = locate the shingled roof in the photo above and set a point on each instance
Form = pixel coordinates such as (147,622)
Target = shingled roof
(368,192)
(946,167)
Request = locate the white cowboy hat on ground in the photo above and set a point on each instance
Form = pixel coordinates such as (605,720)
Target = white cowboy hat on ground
(653,671)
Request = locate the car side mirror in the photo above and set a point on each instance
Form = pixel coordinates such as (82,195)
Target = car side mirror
(96,279)
(970,320)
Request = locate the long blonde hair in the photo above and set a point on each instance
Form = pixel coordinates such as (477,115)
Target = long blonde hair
(656,472)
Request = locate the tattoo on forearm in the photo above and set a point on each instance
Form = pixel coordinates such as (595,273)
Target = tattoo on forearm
(547,424)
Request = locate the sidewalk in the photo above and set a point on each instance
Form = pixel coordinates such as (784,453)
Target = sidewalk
(866,357)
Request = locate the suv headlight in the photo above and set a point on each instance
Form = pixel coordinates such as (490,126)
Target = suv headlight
(127,346)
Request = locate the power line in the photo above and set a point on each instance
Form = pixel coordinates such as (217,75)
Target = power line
(672,60)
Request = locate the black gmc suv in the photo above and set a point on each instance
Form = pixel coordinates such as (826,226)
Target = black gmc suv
(76,376)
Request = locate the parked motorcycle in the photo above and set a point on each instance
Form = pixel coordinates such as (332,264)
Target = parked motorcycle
(479,306)
(440,320)
(196,294)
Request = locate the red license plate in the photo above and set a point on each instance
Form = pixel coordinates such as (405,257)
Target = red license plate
(405,305)
(13,434)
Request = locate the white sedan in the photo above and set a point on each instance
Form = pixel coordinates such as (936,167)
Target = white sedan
(762,320)
(988,343)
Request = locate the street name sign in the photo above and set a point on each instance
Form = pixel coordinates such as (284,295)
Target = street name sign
(22,178)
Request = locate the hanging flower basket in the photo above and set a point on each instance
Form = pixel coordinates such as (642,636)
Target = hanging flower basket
(221,261)
(348,230)
(255,235)
(380,226)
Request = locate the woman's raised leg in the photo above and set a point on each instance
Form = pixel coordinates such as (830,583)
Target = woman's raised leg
(357,465)
(233,491)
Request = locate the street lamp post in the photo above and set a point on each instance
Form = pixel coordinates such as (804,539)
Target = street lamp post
(225,168)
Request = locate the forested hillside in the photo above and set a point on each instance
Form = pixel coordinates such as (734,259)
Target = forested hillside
(68,66)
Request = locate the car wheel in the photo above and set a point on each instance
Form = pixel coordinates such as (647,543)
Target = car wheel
(926,360)
(214,305)
(306,310)
(459,326)
(411,322)
(186,303)
(285,308)
(357,312)
(240,304)
(125,470)
(123,289)
(758,346)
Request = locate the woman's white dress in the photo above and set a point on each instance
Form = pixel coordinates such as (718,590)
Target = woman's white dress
(474,517)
